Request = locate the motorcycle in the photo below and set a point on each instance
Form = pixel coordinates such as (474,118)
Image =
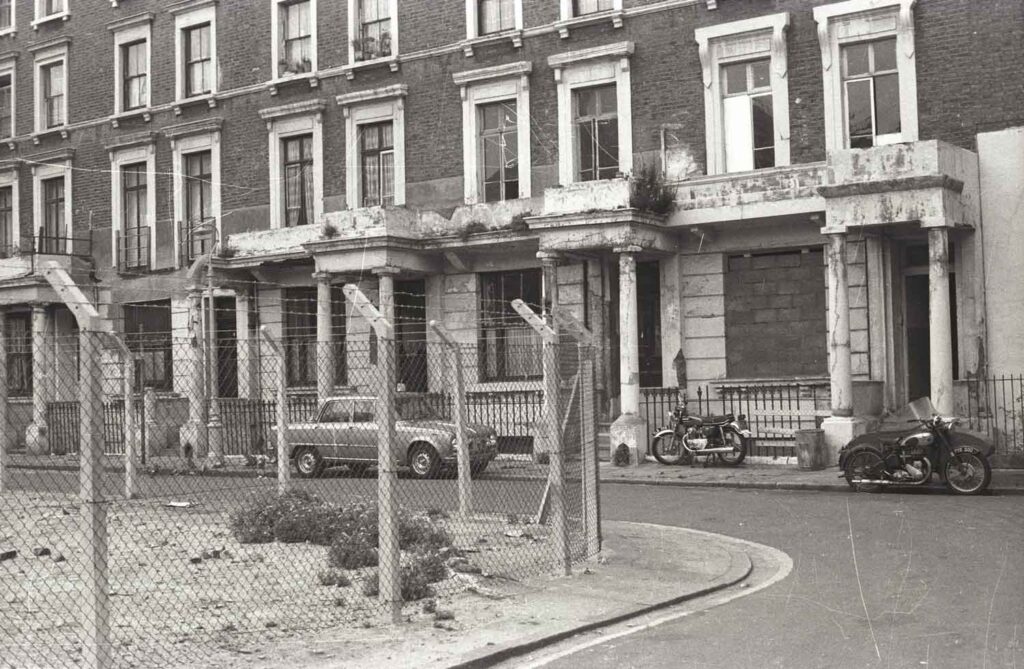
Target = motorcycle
(723,437)
(910,457)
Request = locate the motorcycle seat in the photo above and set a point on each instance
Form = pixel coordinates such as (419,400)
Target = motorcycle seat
(716,420)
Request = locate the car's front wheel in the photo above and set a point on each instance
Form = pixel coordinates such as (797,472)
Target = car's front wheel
(424,462)
(308,462)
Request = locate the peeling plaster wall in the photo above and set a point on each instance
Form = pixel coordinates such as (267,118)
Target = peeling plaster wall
(1001,157)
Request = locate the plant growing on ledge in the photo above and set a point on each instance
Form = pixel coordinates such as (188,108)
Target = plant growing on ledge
(518,222)
(649,192)
(330,231)
(472,228)
(227,252)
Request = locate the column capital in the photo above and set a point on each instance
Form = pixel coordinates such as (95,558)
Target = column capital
(628,249)
(38,307)
(387,270)
(549,257)
(834,230)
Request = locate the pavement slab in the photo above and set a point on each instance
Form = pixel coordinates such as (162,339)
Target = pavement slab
(642,568)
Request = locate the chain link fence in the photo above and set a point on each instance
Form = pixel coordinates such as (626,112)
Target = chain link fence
(265,486)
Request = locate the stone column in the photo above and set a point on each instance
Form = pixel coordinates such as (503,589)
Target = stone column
(629,428)
(841,426)
(193,435)
(549,268)
(246,347)
(939,321)
(386,291)
(325,363)
(36,441)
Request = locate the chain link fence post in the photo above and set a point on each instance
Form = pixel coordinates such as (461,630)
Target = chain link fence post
(459,417)
(284,471)
(588,430)
(555,496)
(389,574)
(5,436)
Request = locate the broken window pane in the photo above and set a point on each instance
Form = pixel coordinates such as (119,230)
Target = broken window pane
(887,104)
(858,106)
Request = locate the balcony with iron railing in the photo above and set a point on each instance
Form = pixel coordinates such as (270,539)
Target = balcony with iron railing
(133,251)
(27,256)
(195,239)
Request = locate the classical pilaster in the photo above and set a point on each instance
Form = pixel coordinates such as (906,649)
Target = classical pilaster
(193,435)
(940,322)
(386,291)
(246,347)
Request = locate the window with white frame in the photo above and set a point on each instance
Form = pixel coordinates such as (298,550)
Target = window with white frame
(51,86)
(297,154)
(295,43)
(7,241)
(746,93)
(595,133)
(6,16)
(196,51)
(496,16)
(196,169)
(198,60)
(295,136)
(6,104)
(747,115)
(496,132)
(10,229)
(871,91)
(47,9)
(584,7)
(499,150)
(133,199)
(377,164)
(53,235)
(869,72)
(52,210)
(132,63)
(375,146)
(374,30)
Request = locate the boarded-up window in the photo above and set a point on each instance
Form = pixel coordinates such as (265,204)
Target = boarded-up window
(775,315)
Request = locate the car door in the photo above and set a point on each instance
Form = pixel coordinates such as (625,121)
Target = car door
(332,429)
(363,433)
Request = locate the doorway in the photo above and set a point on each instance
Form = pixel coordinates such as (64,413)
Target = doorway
(411,334)
(648,298)
(917,329)
(226,348)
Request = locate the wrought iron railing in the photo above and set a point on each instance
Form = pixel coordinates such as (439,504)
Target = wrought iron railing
(62,244)
(195,239)
(995,406)
(133,249)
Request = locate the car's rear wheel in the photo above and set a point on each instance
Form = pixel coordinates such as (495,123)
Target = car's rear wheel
(308,462)
(424,462)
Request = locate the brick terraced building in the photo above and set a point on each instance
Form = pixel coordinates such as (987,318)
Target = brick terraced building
(835,165)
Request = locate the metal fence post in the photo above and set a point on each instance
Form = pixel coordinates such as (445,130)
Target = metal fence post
(588,419)
(5,428)
(556,454)
(284,471)
(389,575)
(459,416)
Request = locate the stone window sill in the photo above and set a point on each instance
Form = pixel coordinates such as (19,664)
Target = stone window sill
(63,16)
(614,16)
(350,70)
(145,112)
(38,136)
(313,78)
(209,99)
(516,37)
(12,31)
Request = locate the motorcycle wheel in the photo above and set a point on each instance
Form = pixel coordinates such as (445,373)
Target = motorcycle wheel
(866,464)
(967,473)
(669,450)
(739,445)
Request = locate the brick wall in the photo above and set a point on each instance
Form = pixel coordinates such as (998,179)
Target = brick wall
(979,88)
(775,315)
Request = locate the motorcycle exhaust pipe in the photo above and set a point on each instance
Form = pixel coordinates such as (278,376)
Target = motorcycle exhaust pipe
(887,482)
(713,450)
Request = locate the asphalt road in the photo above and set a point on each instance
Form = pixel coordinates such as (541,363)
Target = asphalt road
(879,580)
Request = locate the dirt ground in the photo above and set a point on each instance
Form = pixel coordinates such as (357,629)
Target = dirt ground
(184,592)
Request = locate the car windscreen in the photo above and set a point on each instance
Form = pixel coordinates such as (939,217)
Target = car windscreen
(335,411)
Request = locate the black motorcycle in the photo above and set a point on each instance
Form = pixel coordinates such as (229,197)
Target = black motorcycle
(911,457)
(723,437)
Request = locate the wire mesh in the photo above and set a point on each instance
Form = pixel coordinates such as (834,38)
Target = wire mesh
(184,545)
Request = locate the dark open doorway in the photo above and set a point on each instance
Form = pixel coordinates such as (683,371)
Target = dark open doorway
(917,327)
(411,334)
